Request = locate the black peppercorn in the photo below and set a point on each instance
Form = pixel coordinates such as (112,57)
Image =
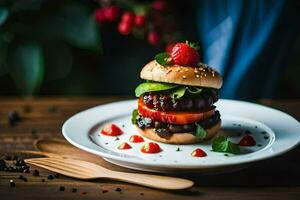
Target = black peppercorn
(50,177)
(13,118)
(7,157)
(61,188)
(11,169)
(2,165)
(12,183)
(35,173)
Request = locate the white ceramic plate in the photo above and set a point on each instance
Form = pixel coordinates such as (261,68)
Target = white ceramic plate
(275,132)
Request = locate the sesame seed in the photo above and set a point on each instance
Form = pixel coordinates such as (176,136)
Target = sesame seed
(197,76)
(186,70)
(183,76)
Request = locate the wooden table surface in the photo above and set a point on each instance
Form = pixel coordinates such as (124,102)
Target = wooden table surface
(276,178)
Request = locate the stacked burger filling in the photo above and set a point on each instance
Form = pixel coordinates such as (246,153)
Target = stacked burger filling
(164,126)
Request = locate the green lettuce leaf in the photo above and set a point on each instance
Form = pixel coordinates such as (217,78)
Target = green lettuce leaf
(178,92)
(172,90)
(134,115)
(152,86)
(194,90)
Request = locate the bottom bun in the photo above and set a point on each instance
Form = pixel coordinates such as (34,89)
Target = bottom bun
(180,138)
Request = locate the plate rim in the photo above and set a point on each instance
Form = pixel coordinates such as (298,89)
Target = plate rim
(177,165)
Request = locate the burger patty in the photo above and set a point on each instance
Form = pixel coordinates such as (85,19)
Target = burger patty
(165,130)
(165,103)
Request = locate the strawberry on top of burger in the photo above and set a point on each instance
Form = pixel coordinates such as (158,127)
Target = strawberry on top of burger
(175,103)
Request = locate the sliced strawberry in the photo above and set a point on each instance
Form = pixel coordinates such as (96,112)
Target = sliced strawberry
(173,117)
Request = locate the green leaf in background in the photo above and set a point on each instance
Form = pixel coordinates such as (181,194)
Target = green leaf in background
(26,66)
(200,132)
(3,15)
(24,5)
(222,144)
(58,60)
(152,86)
(75,24)
(3,57)
(134,115)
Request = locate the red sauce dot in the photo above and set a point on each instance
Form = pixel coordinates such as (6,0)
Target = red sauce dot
(111,130)
(124,145)
(198,153)
(247,140)
(136,139)
(150,147)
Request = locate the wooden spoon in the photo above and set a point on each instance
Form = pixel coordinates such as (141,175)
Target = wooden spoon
(87,170)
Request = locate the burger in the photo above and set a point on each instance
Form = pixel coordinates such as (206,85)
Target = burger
(176,101)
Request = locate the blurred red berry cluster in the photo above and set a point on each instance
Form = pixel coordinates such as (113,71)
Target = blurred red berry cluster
(146,19)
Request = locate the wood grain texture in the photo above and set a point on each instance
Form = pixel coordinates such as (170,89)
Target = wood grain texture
(276,178)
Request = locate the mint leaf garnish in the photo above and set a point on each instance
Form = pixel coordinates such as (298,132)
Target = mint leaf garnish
(200,132)
(134,115)
(222,144)
(163,59)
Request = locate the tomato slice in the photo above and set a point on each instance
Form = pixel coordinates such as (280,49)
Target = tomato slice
(173,117)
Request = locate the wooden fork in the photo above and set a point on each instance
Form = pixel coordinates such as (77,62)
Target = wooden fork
(87,170)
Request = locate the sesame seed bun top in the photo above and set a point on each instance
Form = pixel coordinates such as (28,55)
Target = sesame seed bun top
(202,75)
